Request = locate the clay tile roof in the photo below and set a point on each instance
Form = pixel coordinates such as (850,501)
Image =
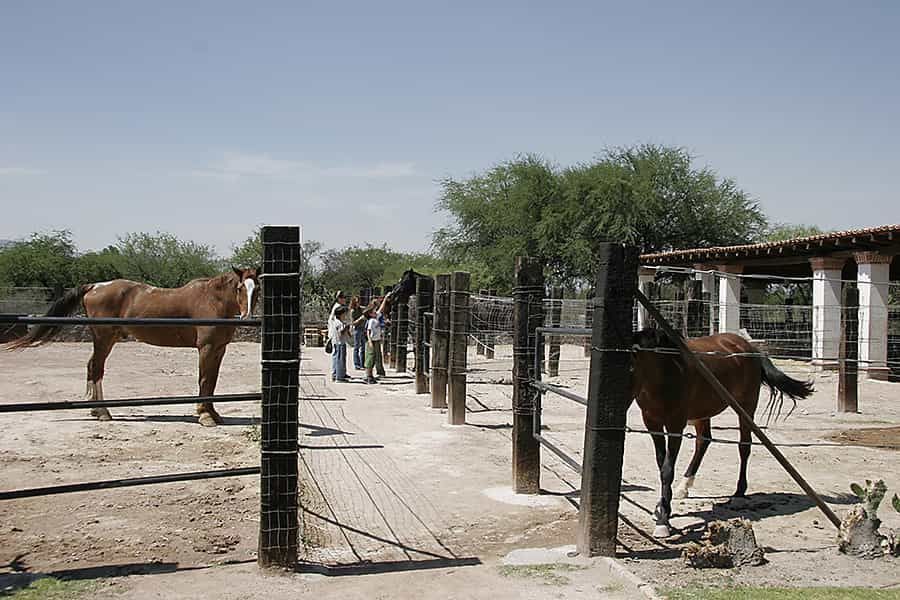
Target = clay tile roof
(847,240)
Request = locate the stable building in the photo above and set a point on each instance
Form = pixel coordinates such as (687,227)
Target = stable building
(864,257)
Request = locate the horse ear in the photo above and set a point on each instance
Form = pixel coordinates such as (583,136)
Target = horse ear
(237,272)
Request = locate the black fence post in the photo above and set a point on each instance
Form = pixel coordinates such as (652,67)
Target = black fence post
(609,394)
(440,341)
(459,346)
(848,365)
(528,315)
(424,304)
(281,331)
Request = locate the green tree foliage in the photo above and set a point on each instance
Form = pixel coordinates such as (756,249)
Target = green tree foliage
(43,260)
(651,196)
(787,231)
(163,260)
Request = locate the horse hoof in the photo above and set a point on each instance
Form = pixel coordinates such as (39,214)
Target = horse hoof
(207,420)
(101,414)
(680,494)
(661,531)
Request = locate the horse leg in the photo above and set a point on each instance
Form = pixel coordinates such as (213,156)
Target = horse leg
(667,475)
(703,430)
(103,344)
(210,361)
(744,452)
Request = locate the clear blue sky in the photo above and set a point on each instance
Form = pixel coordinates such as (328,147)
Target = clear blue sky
(207,118)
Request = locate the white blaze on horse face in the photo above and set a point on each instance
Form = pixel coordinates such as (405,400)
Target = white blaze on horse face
(249,285)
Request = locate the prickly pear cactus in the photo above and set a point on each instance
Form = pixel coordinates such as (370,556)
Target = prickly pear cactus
(871,497)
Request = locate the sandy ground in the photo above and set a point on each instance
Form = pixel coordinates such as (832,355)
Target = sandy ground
(398,504)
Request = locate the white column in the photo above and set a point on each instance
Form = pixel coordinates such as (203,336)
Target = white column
(645,277)
(708,280)
(729,298)
(873,277)
(826,333)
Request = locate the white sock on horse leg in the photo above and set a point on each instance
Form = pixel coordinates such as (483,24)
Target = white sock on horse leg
(89,391)
(99,387)
(683,489)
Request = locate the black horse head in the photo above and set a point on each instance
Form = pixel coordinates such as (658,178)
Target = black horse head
(652,337)
(407,286)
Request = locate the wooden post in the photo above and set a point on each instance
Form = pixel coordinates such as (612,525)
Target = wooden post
(609,394)
(848,364)
(281,327)
(694,309)
(424,304)
(490,339)
(459,346)
(392,335)
(480,337)
(528,315)
(402,335)
(440,341)
(554,341)
(588,319)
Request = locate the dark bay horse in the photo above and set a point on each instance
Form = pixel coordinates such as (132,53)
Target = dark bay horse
(223,296)
(671,394)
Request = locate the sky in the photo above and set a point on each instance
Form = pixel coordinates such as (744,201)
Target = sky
(207,119)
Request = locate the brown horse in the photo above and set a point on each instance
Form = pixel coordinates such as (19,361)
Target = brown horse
(224,296)
(671,394)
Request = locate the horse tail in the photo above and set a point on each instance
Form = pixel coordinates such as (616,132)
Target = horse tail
(780,384)
(41,334)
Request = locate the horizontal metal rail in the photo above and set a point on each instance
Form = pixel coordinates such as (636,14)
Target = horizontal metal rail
(117,483)
(575,465)
(547,387)
(139,321)
(162,401)
(585,331)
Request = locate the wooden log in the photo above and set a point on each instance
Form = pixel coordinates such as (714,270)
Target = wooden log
(609,394)
(424,304)
(528,315)
(848,365)
(440,341)
(459,345)
(554,341)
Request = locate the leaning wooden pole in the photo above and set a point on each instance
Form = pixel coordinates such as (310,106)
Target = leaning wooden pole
(723,393)
(281,327)
(609,394)
(440,341)
(459,345)
(848,366)
(424,304)
(528,315)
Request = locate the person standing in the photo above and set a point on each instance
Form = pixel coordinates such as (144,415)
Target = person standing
(375,332)
(359,332)
(339,332)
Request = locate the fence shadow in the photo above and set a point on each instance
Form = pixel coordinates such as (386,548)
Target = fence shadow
(21,577)
(391,566)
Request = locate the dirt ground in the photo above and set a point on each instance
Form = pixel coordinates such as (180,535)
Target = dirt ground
(397,503)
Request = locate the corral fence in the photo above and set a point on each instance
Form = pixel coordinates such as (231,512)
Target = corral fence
(280,333)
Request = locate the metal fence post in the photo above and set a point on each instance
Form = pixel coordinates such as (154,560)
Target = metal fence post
(281,331)
(609,394)
(528,315)
(554,341)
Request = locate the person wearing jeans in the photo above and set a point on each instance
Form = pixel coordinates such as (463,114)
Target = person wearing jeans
(339,332)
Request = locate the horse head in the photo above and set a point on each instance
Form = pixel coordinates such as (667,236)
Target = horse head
(247,289)
(407,286)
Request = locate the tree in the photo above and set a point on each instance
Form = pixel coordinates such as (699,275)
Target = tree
(104,265)
(43,260)
(163,260)
(780,232)
(650,196)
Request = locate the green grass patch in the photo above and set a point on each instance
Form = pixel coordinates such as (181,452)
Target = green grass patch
(549,574)
(765,593)
(49,588)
